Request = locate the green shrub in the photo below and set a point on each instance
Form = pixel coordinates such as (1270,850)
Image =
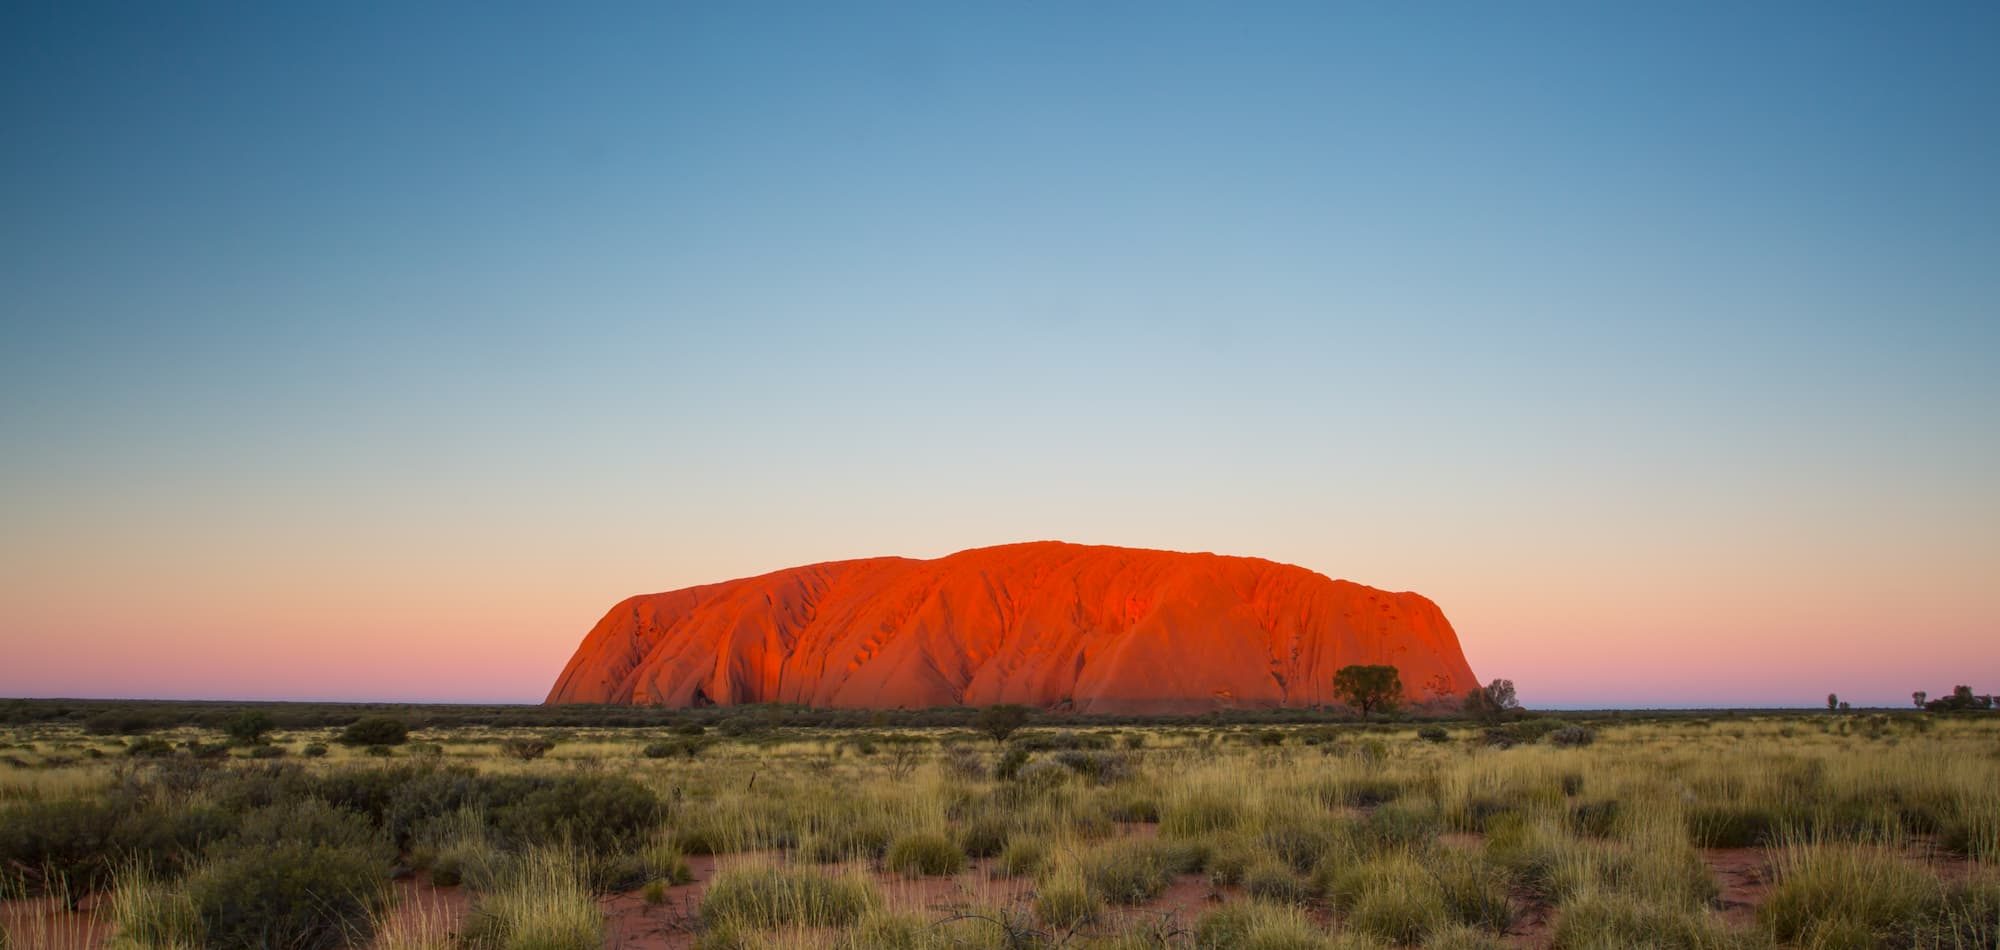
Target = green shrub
(1010,763)
(313,750)
(925,854)
(375,731)
(149,748)
(1433,734)
(248,727)
(589,812)
(77,844)
(314,823)
(686,748)
(294,895)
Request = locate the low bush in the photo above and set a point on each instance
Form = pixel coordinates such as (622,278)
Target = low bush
(76,845)
(685,748)
(313,823)
(149,748)
(1098,766)
(589,812)
(313,750)
(295,895)
(526,748)
(1573,736)
(1010,763)
(1433,734)
(375,731)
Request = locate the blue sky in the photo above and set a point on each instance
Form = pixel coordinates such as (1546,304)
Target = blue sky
(478,317)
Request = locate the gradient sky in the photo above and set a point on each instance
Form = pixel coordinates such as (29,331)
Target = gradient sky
(365,351)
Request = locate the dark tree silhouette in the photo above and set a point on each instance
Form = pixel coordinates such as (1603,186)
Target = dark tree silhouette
(249,726)
(1492,701)
(1000,722)
(1368,688)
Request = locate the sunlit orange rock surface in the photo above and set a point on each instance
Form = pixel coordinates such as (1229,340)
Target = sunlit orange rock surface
(1089,628)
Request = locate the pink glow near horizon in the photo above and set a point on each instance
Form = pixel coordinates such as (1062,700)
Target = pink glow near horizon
(1608,635)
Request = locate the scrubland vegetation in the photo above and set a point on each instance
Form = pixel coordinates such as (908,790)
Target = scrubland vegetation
(1724,831)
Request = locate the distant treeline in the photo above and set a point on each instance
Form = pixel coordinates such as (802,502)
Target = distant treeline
(128,717)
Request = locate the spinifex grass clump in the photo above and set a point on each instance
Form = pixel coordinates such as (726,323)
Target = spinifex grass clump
(1130,872)
(1602,920)
(1391,897)
(762,898)
(543,903)
(925,853)
(1256,926)
(1829,888)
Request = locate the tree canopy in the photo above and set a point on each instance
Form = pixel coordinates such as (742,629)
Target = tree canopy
(1368,688)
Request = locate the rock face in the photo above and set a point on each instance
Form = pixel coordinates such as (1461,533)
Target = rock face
(1049,624)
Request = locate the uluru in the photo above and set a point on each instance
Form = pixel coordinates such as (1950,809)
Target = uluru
(1088,628)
